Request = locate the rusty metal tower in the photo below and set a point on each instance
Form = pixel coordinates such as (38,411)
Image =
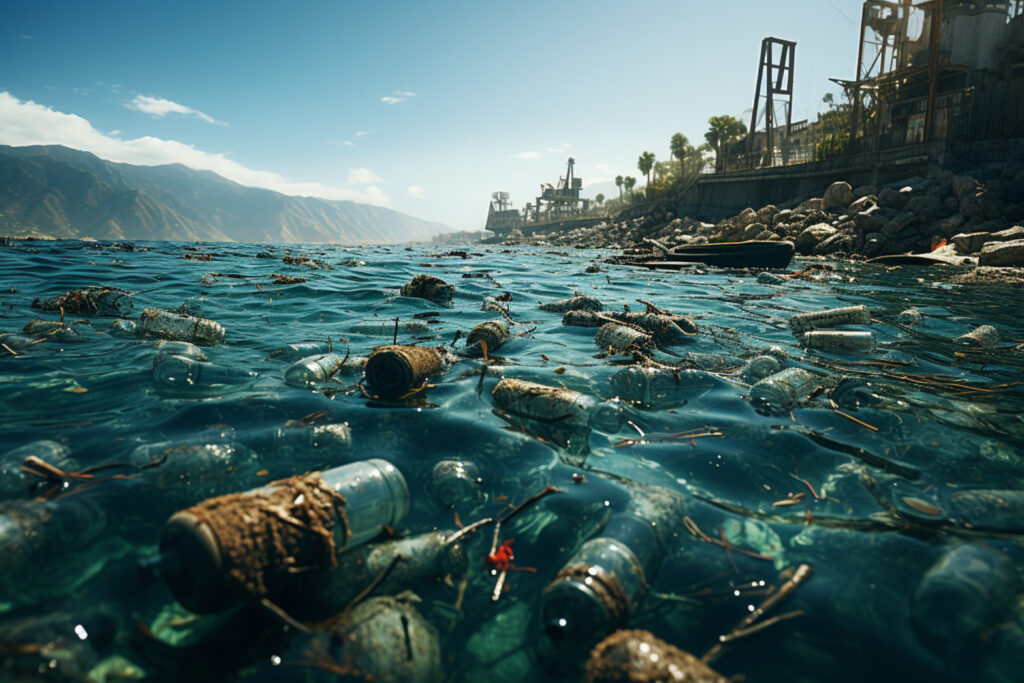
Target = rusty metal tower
(774,85)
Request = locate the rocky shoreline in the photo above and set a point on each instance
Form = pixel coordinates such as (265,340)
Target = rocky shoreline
(967,219)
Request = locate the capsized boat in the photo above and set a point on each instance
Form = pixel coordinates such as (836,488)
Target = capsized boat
(749,254)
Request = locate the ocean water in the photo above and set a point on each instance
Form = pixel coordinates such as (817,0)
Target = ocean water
(907,503)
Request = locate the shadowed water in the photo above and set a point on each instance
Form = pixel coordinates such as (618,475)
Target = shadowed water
(866,494)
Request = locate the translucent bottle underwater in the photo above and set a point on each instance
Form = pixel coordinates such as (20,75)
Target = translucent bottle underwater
(166,349)
(300,350)
(983,337)
(155,322)
(456,483)
(179,373)
(309,447)
(601,585)
(839,341)
(541,402)
(214,554)
(759,367)
(783,390)
(662,387)
(313,370)
(14,482)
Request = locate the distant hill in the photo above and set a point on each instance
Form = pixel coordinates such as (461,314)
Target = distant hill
(68,193)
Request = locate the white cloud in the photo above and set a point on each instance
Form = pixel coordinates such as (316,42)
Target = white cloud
(361,133)
(564,147)
(527,155)
(404,93)
(159,107)
(362,176)
(417,192)
(397,96)
(115,132)
(392,100)
(28,123)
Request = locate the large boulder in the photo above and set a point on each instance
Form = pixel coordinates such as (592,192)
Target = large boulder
(868,221)
(810,237)
(900,223)
(873,244)
(841,241)
(970,242)
(889,198)
(745,218)
(1002,254)
(767,214)
(947,226)
(753,230)
(839,195)
(1014,233)
(926,207)
(865,191)
(812,204)
(964,186)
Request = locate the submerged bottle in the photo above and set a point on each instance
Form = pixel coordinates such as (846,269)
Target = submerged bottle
(617,338)
(309,447)
(848,315)
(155,322)
(228,549)
(662,387)
(910,317)
(180,373)
(836,341)
(313,370)
(456,483)
(14,482)
(393,371)
(983,337)
(601,585)
(166,349)
(783,390)
(71,331)
(541,402)
(431,288)
(294,352)
(759,367)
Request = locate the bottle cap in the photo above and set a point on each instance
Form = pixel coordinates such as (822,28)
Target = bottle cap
(195,574)
(573,614)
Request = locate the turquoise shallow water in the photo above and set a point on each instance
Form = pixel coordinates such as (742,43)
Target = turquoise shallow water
(882,494)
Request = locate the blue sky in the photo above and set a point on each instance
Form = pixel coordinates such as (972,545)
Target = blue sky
(425,107)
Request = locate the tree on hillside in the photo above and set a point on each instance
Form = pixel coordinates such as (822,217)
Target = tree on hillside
(722,132)
(630,182)
(599,199)
(645,163)
(619,182)
(680,147)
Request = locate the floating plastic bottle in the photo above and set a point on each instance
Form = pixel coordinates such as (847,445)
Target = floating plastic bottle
(180,373)
(394,371)
(835,341)
(580,302)
(759,367)
(313,370)
(848,315)
(965,592)
(406,564)
(165,349)
(124,328)
(983,337)
(184,472)
(541,402)
(619,339)
(909,317)
(309,447)
(599,588)
(71,331)
(100,301)
(227,549)
(666,329)
(662,387)
(386,328)
(783,390)
(14,483)
(456,483)
(294,352)
(155,322)
(494,333)
(853,393)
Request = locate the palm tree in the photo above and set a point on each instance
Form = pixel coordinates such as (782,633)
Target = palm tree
(629,181)
(722,132)
(680,148)
(619,181)
(599,199)
(645,163)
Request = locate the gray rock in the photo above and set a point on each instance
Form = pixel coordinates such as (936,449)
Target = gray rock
(1014,233)
(837,242)
(899,223)
(767,214)
(926,207)
(839,195)
(970,242)
(814,218)
(873,244)
(753,230)
(767,235)
(947,226)
(1002,253)
(869,221)
(812,204)
(810,237)
(745,218)
(951,204)
(989,206)
(964,186)
(889,198)
(970,209)
(863,204)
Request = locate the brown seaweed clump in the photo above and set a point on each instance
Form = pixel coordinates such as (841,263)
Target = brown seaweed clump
(639,657)
(430,288)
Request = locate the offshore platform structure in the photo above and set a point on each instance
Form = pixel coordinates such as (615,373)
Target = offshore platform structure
(932,70)
(557,207)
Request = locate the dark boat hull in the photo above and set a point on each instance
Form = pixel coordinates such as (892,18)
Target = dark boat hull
(751,254)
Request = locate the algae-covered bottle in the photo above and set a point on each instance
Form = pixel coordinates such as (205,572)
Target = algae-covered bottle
(848,315)
(839,341)
(781,391)
(662,387)
(180,373)
(230,548)
(155,322)
(493,333)
(541,402)
(393,371)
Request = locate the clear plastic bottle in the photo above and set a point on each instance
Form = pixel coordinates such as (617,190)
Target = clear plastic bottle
(313,370)
(662,387)
(541,402)
(155,322)
(456,483)
(14,483)
(601,585)
(166,349)
(620,339)
(309,447)
(836,341)
(982,337)
(759,367)
(226,549)
(780,392)
(54,330)
(178,373)
(909,317)
(294,352)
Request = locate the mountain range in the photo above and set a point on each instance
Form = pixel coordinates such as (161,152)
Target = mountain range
(67,193)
